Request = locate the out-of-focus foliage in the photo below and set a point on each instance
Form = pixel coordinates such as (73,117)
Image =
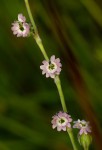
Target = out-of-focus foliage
(27,99)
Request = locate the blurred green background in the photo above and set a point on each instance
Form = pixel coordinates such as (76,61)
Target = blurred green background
(72,30)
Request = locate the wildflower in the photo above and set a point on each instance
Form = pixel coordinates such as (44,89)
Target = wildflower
(21,18)
(61,121)
(83,126)
(20,27)
(51,68)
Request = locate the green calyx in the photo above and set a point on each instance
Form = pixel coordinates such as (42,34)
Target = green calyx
(85,140)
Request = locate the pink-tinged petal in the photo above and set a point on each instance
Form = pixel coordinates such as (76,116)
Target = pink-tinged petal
(52,58)
(14,28)
(43,72)
(15,23)
(60,65)
(15,32)
(52,76)
(81,131)
(21,18)
(64,128)
(45,62)
(69,125)
(47,75)
(18,35)
(54,126)
(42,67)
(58,128)
(58,60)
(25,35)
(59,69)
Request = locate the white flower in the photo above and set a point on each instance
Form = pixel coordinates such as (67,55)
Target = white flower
(83,126)
(51,68)
(20,27)
(61,121)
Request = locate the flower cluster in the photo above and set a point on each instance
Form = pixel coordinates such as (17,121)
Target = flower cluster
(83,126)
(20,27)
(51,68)
(61,121)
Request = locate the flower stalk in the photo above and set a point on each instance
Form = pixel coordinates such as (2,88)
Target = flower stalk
(39,43)
(69,130)
(56,79)
(58,84)
(30,16)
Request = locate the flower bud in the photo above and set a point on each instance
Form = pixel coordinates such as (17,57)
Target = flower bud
(85,140)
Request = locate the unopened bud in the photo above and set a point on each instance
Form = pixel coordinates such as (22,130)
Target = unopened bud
(85,140)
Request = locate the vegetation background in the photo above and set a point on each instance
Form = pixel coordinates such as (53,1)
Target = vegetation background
(72,30)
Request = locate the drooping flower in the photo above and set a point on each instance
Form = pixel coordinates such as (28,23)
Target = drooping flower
(20,27)
(83,126)
(61,121)
(52,67)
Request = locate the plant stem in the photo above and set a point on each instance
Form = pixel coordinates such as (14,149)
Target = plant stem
(39,43)
(57,79)
(69,130)
(36,36)
(30,15)
(58,84)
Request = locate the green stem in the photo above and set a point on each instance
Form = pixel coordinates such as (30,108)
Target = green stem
(30,16)
(69,130)
(58,84)
(39,43)
(57,79)
(72,138)
(36,36)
